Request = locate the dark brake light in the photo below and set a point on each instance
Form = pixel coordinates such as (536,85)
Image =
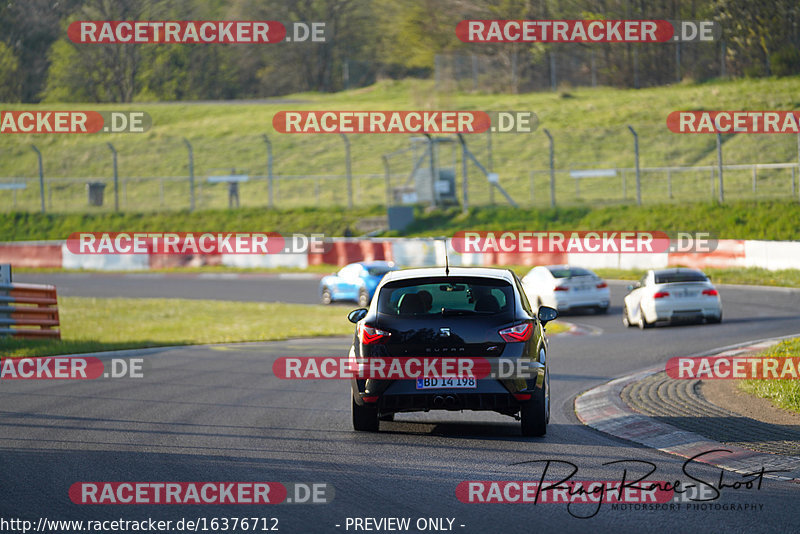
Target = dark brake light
(560,288)
(602,285)
(520,332)
(710,292)
(369,335)
(660,295)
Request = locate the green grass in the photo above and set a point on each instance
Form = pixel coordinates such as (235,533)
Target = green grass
(783,393)
(93,324)
(20,226)
(589,128)
(768,219)
(771,220)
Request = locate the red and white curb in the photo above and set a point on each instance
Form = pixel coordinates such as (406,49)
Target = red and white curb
(603,409)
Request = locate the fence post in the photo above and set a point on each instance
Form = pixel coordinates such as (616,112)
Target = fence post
(798,141)
(636,157)
(755,178)
(116,177)
(349,175)
(530,177)
(191,173)
(719,164)
(388,180)
(41,175)
(269,170)
(464,183)
(490,165)
(552,170)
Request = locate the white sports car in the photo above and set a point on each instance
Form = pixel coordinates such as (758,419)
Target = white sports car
(671,295)
(566,288)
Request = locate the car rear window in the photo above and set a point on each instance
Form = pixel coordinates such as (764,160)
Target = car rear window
(446,295)
(681,276)
(567,272)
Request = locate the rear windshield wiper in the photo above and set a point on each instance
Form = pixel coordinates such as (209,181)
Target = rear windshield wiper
(454,311)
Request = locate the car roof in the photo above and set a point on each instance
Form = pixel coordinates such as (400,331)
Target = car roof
(375,263)
(428,272)
(674,270)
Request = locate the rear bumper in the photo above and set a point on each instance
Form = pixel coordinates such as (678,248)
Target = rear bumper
(451,400)
(490,395)
(686,313)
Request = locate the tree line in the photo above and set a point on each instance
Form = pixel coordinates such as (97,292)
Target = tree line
(368,40)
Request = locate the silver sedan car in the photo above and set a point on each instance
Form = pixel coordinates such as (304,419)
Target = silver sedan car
(669,296)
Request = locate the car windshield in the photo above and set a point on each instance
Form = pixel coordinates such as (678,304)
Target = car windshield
(378,270)
(569,272)
(447,296)
(680,276)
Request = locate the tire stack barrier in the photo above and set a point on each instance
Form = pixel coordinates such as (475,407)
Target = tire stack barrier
(29,311)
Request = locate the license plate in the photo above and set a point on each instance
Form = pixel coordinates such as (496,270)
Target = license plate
(434,383)
(686,294)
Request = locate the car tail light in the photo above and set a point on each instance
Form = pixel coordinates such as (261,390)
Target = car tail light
(660,295)
(521,332)
(602,285)
(710,292)
(522,396)
(370,399)
(560,288)
(369,335)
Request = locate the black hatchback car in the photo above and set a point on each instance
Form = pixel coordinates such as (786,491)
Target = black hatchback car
(462,312)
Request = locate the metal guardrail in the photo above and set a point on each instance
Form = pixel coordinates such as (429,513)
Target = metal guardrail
(29,311)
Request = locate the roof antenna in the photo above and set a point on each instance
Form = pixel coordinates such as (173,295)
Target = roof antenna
(446,260)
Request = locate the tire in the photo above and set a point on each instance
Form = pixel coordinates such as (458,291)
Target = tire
(625,318)
(643,324)
(326,297)
(534,413)
(363,298)
(602,310)
(715,320)
(365,418)
(387,417)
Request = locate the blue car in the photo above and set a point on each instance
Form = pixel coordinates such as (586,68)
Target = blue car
(356,281)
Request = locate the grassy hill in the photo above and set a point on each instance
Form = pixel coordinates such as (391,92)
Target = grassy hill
(588,125)
(775,220)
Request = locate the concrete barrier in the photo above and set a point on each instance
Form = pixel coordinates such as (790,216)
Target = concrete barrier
(409,252)
(104,262)
(38,254)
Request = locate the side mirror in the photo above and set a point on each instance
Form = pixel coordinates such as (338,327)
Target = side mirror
(356,315)
(637,285)
(546,314)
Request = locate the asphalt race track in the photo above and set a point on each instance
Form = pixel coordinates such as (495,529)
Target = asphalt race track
(217,413)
